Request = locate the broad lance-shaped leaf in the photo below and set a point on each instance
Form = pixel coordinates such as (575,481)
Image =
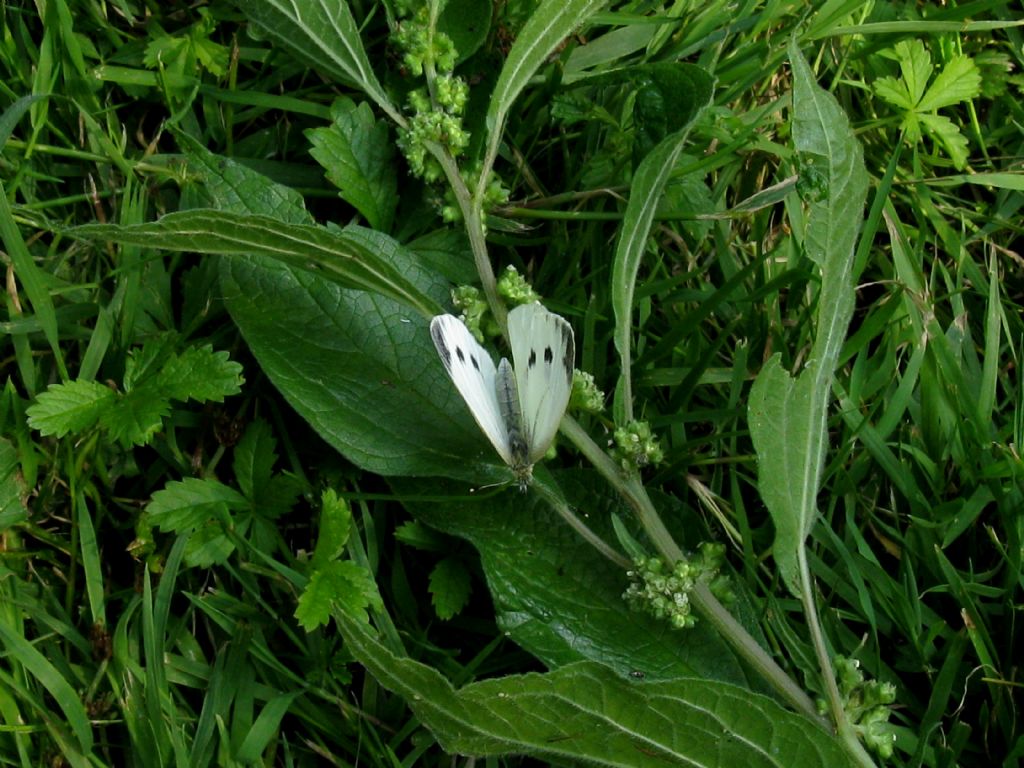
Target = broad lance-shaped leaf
(788,416)
(335,256)
(548,25)
(584,712)
(648,183)
(323,34)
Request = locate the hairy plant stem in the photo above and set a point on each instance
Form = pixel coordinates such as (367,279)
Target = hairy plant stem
(849,737)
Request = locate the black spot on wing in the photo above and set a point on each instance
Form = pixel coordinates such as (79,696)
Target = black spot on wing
(549,356)
(533,358)
(569,348)
(441,345)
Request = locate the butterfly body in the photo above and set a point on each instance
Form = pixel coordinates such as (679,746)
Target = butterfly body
(518,405)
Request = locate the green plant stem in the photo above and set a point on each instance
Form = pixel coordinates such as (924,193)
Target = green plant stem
(566,512)
(849,737)
(710,608)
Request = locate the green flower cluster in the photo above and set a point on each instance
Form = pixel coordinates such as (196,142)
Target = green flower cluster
(495,194)
(636,446)
(475,314)
(513,286)
(437,110)
(664,592)
(867,704)
(585,393)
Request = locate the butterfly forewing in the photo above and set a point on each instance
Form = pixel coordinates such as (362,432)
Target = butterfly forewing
(543,351)
(474,375)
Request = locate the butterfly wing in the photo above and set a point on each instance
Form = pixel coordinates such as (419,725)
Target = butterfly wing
(474,375)
(543,351)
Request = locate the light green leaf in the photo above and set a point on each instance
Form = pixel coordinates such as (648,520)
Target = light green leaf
(915,66)
(959,80)
(72,407)
(358,156)
(267,728)
(185,504)
(200,374)
(335,527)
(946,133)
(645,192)
(788,416)
(337,256)
(584,713)
(894,91)
(342,583)
(450,587)
(323,34)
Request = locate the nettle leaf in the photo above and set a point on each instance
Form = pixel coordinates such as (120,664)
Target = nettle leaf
(959,80)
(788,415)
(341,583)
(186,504)
(199,373)
(324,35)
(71,407)
(586,713)
(359,157)
(450,587)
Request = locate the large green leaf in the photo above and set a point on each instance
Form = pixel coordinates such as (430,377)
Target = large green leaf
(585,712)
(554,594)
(323,34)
(340,256)
(788,415)
(359,367)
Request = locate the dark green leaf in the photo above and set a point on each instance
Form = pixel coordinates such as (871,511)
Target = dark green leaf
(450,587)
(586,713)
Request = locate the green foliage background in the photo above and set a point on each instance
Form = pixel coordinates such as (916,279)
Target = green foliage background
(226,442)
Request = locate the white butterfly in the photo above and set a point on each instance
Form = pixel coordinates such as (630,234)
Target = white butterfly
(518,408)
